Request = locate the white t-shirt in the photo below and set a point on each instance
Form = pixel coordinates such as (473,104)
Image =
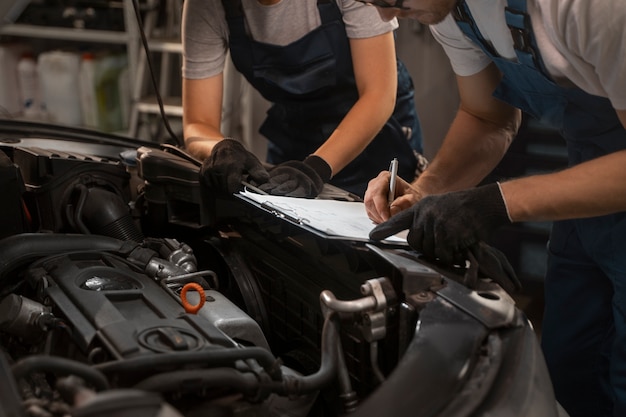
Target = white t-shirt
(582,42)
(205,31)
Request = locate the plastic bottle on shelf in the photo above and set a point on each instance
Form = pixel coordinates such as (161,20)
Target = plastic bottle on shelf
(58,75)
(28,82)
(87,88)
(10,55)
(108,93)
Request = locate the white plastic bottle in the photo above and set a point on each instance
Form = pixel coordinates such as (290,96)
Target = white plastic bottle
(87,87)
(58,77)
(28,82)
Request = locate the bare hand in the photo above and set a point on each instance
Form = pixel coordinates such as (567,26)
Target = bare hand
(377,194)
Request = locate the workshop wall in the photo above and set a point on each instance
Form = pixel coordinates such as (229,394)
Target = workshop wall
(436,95)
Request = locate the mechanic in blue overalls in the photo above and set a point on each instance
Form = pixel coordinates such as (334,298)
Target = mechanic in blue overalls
(564,63)
(332,117)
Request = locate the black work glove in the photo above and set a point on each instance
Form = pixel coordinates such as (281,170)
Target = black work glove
(452,228)
(298,178)
(445,226)
(229,164)
(493,264)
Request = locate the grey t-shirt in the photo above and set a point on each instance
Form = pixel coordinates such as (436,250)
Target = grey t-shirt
(205,31)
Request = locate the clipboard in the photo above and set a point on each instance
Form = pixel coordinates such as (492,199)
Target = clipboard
(330,219)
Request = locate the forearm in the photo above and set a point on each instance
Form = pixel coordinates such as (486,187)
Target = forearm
(202,112)
(593,188)
(470,151)
(377,86)
(356,131)
(200,139)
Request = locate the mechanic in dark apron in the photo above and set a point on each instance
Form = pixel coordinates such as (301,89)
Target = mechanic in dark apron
(583,332)
(312,87)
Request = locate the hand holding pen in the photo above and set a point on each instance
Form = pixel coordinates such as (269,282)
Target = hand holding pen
(388,194)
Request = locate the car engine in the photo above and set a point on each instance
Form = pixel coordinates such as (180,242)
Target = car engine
(127,288)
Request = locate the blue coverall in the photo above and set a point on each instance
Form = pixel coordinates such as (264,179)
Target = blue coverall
(311,85)
(584,324)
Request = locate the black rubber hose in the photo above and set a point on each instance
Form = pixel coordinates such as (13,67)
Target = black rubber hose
(210,358)
(19,250)
(104,212)
(245,383)
(56,365)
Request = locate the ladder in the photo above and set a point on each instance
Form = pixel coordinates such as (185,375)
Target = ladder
(237,106)
(164,39)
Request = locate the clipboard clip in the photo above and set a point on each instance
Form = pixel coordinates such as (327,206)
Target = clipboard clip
(250,187)
(283,213)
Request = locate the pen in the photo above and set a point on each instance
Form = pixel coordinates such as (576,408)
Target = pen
(393,176)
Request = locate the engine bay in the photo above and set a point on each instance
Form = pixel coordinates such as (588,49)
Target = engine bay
(128,288)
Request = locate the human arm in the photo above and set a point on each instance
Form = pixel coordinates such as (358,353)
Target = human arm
(226,162)
(592,188)
(376,81)
(479,135)
(590,55)
(202,112)
(448,225)
(204,39)
(376,84)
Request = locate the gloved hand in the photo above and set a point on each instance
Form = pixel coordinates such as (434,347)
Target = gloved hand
(298,178)
(229,164)
(446,226)
(493,264)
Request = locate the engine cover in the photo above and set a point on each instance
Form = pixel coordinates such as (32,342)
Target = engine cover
(110,303)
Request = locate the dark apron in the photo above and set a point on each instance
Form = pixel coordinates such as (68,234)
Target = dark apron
(584,322)
(311,86)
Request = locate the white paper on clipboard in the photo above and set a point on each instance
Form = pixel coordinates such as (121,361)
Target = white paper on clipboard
(341,219)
